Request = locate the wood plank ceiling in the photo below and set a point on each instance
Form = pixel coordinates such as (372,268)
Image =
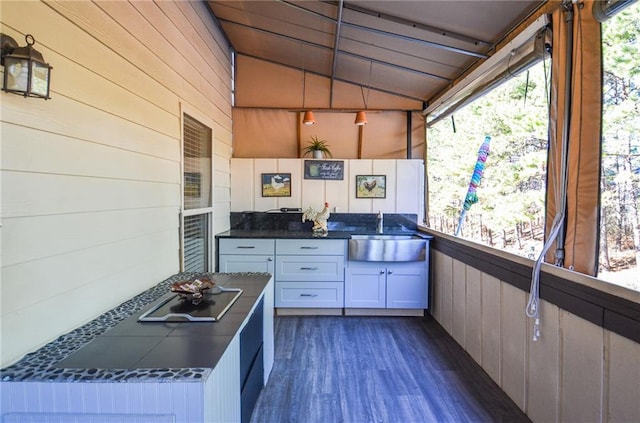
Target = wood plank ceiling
(408,48)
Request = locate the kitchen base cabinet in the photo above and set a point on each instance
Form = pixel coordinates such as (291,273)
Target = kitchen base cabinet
(386,285)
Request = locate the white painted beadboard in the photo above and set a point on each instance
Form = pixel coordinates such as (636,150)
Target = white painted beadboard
(69,402)
(222,388)
(91,182)
(404,186)
(576,371)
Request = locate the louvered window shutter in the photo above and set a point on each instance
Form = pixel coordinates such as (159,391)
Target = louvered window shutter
(197,192)
(197,164)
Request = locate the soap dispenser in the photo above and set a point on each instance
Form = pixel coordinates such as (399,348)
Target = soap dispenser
(379,222)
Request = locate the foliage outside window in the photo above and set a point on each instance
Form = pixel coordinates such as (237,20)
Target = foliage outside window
(510,212)
(620,164)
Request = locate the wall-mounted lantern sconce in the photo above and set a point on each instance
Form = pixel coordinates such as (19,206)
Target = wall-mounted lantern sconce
(25,71)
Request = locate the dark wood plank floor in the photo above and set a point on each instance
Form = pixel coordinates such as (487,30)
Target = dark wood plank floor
(376,369)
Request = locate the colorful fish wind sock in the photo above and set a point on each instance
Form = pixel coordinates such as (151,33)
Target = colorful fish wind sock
(471,198)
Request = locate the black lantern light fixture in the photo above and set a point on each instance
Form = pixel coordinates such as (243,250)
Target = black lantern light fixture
(25,71)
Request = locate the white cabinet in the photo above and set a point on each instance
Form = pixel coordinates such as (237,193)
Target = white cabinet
(310,273)
(246,255)
(365,287)
(386,285)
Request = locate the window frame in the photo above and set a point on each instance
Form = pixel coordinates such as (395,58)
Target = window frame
(209,211)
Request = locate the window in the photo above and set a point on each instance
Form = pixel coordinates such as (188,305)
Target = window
(620,164)
(197,196)
(510,212)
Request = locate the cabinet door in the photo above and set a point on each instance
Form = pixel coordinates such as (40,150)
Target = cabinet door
(407,286)
(365,287)
(231,263)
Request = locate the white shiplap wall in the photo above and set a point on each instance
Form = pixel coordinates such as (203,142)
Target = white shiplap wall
(91,181)
(405,179)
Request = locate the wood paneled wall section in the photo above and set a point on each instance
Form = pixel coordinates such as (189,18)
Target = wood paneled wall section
(576,371)
(403,195)
(91,179)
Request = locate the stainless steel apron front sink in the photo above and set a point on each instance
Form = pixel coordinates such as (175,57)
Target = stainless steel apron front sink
(380,247)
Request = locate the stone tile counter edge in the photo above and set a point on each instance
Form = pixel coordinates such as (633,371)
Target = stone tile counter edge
(39,366)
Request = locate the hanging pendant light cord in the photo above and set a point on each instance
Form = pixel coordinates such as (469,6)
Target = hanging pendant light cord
(365,101)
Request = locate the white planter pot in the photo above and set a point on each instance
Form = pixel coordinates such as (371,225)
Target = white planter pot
(317,154)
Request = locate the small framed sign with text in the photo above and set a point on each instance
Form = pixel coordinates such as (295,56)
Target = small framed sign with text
(324,169)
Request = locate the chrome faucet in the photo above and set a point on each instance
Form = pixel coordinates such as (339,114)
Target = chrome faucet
(379,222)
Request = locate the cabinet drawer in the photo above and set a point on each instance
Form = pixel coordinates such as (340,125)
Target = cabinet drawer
(317,268)
(311,246)
(310,294)
(231,263)
(246,246)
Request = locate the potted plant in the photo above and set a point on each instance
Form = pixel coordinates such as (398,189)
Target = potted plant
(317,148)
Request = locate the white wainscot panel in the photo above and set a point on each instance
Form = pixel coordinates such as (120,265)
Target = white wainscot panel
(544,366)
(582,370)
(513,335)
(491,305)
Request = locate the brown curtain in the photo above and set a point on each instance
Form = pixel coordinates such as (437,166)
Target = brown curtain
(583,148)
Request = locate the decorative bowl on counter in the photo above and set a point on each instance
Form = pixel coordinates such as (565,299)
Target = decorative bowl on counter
(193,288)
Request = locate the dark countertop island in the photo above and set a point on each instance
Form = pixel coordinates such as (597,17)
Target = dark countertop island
(116,347)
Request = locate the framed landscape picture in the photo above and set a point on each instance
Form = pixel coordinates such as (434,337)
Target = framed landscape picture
(371,186)
(276,185)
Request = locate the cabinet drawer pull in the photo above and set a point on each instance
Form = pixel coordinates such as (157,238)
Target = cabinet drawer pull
(308,268)
(308,248)
(308,295)
(248,246)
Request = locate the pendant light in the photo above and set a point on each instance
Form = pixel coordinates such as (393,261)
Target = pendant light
(308,118)
(361,117)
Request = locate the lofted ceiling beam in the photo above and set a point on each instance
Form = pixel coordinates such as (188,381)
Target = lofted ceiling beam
(413,24)
(336,42)
(417,40)
(336,51)
(395,66)
(345,80)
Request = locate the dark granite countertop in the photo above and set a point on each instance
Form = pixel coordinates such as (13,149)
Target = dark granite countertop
(116,347)
(284,234)
(281,234)
(289,225)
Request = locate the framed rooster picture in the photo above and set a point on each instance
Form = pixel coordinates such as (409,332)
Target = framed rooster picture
(276,185)
(371,186)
